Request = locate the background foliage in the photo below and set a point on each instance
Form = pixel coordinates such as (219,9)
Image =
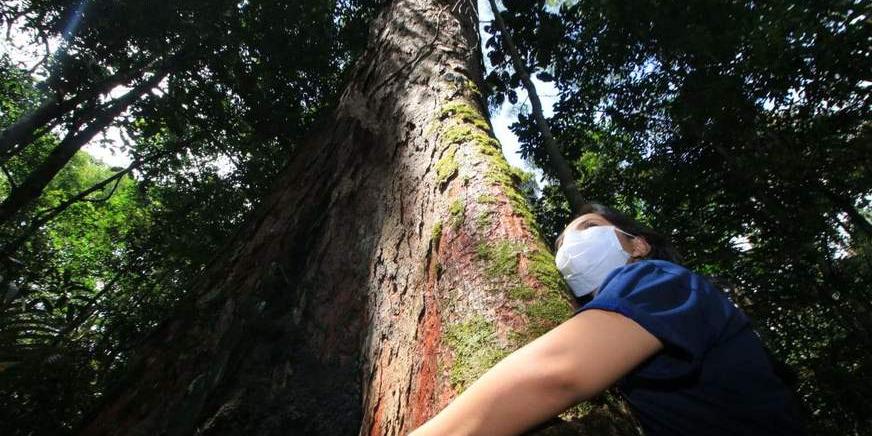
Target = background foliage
(741,129)
(86,287)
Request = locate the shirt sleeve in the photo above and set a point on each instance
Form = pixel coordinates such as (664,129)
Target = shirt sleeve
(665,300)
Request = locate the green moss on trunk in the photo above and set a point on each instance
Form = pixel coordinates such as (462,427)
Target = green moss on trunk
(500,258)
(464,112)
(446,167)
(473,342)
(458,213)
(436,234)
(484,220)
(540,263)
(487,199)
(475,348)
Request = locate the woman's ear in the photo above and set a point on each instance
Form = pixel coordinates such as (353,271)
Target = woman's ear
(641,247)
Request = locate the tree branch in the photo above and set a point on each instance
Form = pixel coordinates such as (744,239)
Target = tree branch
(559,166)
(33,185)
(12,185)
(23,131)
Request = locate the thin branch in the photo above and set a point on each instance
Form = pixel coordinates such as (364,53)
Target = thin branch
(558,163)
(43,217)
(225,151)
(9,34)
(12,185)
(35,66)
(44,59)
(109,195)
(46,215)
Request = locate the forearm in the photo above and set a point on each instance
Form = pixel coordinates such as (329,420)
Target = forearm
(522,390)
(572,362)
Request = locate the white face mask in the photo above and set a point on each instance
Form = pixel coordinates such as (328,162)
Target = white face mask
(587,256)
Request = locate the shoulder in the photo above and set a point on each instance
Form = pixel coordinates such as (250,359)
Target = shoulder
(663,286)
(677,306)
(650,275)
(664,268)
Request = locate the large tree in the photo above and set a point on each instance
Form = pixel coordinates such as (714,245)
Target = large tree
(394,261)
(251,92)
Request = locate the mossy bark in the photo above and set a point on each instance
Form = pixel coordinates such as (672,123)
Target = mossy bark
(361,298)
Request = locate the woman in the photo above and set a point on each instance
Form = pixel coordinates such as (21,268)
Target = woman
(682,355)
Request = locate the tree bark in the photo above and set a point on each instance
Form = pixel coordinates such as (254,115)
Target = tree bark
(393,263)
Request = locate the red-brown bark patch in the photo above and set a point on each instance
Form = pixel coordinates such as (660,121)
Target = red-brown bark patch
(375,427)
(430,325)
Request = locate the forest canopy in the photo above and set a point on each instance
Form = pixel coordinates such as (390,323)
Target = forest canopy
(740,129)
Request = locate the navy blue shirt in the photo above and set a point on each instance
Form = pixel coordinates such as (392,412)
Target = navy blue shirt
(713,376)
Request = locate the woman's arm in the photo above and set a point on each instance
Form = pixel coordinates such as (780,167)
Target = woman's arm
(573,362)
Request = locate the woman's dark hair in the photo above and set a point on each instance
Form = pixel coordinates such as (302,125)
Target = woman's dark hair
(661,247)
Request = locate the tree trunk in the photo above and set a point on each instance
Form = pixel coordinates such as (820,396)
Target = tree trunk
(394,262)
(24,129)
(31,188)
(559,166)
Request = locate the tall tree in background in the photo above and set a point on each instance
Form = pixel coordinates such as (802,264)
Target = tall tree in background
(394,261)
(557,163)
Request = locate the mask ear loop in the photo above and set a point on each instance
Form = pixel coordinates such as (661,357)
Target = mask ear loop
(628,234)
(632,236)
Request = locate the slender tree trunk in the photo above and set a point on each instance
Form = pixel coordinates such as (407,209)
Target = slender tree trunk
(394,262)
(861,226)
(15,137)
(31,188)
(24,129)
(559,167)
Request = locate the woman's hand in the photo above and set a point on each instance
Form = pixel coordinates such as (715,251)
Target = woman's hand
(573,362)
